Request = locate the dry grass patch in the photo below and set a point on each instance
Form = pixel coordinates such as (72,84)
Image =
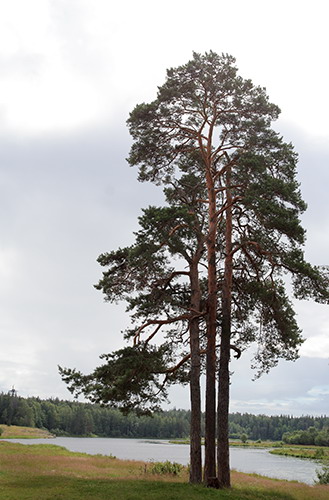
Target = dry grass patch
(297,491)
(36,460)
(18,432)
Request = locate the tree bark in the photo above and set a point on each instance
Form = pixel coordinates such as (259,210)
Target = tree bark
(223,454)
(223,457)
(195,393)
(210,423)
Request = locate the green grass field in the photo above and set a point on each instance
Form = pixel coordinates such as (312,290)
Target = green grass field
(48,472)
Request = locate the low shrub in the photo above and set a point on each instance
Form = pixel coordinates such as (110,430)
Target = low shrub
(170,468)
(319,453)
(323,475)
(277,444)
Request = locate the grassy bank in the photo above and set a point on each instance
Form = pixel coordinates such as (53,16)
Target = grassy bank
(310,452)
(239,443)
(279,448)
(50,472)
(16,432)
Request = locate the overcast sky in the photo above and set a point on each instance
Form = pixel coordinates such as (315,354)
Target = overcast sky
(70,73)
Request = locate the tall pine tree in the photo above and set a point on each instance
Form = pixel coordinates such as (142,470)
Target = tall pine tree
(206,110)
(209,124)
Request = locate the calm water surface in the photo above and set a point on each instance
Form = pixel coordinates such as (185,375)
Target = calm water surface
(250,460)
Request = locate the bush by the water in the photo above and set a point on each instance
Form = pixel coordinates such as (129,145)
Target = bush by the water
(323,475)
(167,468)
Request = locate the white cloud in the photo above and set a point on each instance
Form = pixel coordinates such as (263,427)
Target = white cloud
(316,346)
(23,25)
(320,390)
(42,87)
(89,55)
(70,71)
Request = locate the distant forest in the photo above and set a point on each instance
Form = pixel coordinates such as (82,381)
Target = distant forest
(67,418)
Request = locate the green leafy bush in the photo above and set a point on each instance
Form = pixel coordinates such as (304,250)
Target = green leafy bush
(319,453)
(244,438)
(171,468)
(323,475)
(277,444)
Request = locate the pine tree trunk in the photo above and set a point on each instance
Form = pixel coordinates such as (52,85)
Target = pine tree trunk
(195,393)
(223,457)
(210,423)
(223,452)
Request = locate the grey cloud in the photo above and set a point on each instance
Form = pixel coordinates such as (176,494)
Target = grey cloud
(64,200)
(313,174)
(289,388)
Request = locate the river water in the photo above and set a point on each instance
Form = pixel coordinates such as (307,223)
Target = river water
(250,460)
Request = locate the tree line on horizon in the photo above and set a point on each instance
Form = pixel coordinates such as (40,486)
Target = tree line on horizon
(67,418)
